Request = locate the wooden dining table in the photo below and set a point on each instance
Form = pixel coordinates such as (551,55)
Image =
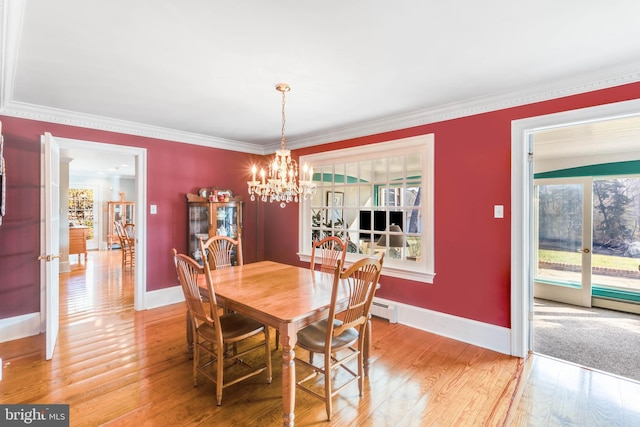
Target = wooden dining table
(284,297)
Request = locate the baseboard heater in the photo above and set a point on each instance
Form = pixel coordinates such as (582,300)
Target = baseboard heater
(385,311)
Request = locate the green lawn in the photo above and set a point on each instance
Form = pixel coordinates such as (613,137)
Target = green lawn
(617,262)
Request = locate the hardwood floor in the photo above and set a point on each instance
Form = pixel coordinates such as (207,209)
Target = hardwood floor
(118,367)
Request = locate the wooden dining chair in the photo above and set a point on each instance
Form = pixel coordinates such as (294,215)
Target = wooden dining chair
(129,230)
(220,251)
(329,250)
(341,337)
(214,333)
(127,245)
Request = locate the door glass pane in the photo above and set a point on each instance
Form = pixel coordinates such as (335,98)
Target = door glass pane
(616,234)
(560,234)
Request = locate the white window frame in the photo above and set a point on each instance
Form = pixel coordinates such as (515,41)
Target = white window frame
(420,271)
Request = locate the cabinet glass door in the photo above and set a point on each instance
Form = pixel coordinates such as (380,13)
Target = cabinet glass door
(198,227)
(128,214)
(225,223)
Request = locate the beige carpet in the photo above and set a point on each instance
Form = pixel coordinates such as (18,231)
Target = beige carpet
(597,338)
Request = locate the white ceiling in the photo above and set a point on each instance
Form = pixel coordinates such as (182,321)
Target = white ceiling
(204,71)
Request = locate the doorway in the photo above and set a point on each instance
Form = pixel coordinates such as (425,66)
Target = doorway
(139,155)
(522,191)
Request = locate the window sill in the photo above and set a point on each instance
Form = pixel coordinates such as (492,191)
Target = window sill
(391,271)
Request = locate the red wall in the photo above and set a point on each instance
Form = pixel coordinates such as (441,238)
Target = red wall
(174,169)
(472,174)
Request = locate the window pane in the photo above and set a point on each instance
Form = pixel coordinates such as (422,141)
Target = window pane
(338,174)
(352,173)
(351,197)
(366,169)
(414,166)
(365,195)
(396,168)
(316,199)
(413,248)
(380,170)
(412,196)
(413,220)
(326,174)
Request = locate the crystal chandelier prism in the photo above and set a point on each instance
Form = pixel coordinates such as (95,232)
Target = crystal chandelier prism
(280,183)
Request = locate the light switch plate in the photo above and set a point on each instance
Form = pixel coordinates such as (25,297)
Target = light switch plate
(498,211)
(153,209)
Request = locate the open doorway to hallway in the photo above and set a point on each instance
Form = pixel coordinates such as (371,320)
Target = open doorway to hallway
(86,153)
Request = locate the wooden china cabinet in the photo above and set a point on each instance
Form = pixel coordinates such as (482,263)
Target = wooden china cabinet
(208,218)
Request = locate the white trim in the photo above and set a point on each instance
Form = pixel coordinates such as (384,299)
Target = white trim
(25,325)
(165,296)
(472,332)
(521,212)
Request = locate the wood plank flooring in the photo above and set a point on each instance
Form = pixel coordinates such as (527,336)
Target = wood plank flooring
(118,367)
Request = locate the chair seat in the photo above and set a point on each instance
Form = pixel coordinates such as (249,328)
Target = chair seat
(313,337)
(234,327)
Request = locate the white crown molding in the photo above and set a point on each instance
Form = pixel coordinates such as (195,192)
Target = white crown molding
(568,87)
(401,121)
(50,115)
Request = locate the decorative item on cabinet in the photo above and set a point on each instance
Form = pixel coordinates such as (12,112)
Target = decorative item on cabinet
(120,211)
(212,216)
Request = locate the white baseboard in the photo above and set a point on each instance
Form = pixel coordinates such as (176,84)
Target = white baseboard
(480,334)
(162,297)
(13,328)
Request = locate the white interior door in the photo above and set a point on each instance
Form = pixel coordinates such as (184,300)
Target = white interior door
(50,239)
(563,230)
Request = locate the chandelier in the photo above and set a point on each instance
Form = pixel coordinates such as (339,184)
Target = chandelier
(280,182)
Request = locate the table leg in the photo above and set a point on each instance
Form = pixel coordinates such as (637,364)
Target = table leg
(367,347)
(189,336)
(288,338)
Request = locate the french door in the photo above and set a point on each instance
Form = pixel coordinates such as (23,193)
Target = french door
(588,240)
(563,230)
